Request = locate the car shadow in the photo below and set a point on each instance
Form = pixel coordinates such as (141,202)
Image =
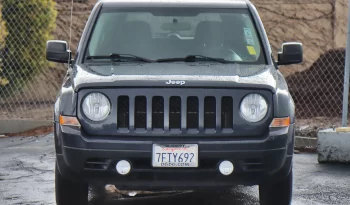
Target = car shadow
(232,197)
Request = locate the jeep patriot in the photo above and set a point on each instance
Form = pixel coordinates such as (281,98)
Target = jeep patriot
(174,95)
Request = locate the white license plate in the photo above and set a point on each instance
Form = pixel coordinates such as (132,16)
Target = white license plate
(175,155)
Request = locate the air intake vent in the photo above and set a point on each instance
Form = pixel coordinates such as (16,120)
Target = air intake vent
(158,112)
(140,112)
(253,164)
(175,113)
(97,164)
(123,112)
(227,113)
(192,113)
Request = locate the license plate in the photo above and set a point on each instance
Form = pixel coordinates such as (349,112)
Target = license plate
(175,155)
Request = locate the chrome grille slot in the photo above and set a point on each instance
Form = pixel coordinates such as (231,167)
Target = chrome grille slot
(227,113)
(123,112)
(192,112)
(158,112)
(209,113)
(175,113)
(140,112)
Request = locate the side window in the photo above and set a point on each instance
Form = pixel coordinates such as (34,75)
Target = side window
(98,36)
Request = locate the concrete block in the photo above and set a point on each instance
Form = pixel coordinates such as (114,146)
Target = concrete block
(333,146)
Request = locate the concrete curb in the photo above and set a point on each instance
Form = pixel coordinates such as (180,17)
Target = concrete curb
(16,126)
(305,142)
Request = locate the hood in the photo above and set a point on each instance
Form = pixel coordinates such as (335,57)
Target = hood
(175,75)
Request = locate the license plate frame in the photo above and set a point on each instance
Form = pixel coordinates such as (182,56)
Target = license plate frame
(175,155)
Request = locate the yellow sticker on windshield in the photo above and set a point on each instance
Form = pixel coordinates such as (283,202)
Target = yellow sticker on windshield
(251,50)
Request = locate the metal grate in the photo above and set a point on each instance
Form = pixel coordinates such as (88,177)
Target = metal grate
(175,113)
(209,112)
(140,112)
(192,113)
(227,112)
(158,112)
(123,112)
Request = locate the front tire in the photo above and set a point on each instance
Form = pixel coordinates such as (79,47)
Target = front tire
(279,193)
(70,192)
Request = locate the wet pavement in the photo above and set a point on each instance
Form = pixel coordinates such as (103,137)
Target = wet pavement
(27,177)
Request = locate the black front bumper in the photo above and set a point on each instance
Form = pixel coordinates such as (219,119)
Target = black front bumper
(93,159)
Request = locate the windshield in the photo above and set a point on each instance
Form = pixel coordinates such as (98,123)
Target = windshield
(162,34)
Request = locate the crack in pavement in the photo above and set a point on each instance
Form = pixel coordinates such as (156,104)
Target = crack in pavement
(31,175)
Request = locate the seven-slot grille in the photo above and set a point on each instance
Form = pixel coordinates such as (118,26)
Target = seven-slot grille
(176,114)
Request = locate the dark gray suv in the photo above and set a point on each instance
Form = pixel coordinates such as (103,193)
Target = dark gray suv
(174,95)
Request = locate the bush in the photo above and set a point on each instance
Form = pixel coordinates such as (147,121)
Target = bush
(29,24)
(3,34)
(3,81)
(3,31)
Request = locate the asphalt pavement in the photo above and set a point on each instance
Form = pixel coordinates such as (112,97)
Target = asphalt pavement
(27,177)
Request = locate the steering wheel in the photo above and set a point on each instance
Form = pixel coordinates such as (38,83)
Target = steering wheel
(174,34)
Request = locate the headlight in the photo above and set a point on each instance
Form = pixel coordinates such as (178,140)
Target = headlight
(253,108)
(96,106)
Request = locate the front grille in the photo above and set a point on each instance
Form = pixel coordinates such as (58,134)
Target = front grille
(208,114)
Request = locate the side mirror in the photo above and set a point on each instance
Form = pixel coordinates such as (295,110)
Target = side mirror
(57,51)
(291,53)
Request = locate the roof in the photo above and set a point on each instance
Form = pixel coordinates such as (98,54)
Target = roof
(179,3)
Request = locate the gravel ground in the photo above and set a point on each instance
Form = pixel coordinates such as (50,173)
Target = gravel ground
(27,177)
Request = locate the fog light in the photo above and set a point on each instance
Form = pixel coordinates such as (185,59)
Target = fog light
(226,168)
(123,167)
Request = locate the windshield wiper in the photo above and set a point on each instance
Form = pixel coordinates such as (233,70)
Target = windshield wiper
(194,58)
(120,58)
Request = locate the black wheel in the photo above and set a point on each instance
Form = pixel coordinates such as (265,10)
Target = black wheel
(279,193)
(70,192)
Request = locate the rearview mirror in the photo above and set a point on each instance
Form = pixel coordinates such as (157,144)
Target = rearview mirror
(57,51)
(176,26)
(291,53)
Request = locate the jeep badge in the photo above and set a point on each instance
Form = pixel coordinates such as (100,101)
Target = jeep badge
(175,82)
